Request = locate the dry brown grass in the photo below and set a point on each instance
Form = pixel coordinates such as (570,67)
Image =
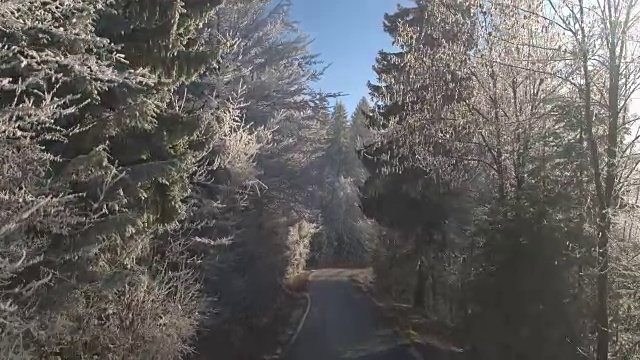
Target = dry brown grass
(298,283)
(424,333)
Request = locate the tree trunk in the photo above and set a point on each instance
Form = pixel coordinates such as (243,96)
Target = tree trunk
(602,314)
(603,219)
(434,290)
(419,289)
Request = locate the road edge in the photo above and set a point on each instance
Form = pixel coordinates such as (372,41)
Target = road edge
(300,325)
(293,338)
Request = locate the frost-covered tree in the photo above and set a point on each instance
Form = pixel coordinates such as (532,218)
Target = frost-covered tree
(537,138)
(272,63)
(413,181)
(341,158)
(89,92)
(346,231)
(33,206)
(359,122)
(270,200)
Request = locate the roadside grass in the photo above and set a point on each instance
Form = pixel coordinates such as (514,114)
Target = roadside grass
(265,342)
(298,283)
(430,337)
(256,341)
(296,288)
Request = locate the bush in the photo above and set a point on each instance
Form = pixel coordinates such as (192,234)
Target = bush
(245,278)
(151,317)
(394,267)
(298,246)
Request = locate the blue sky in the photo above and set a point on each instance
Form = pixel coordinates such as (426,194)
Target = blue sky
(348,34)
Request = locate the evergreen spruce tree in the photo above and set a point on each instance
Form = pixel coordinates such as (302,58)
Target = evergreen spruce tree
(434,100)
(271,184)
(338,160)
(99,86)
(51,65)
(361,134)
(412,183)
(346,232)
(164,38)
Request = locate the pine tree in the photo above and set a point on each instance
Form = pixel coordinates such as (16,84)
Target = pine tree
(97,85)
(519,210)
(270,161)
(337,153)
(361,134)
(412,186)
(274,66)
(56,73)
(163,37)
(346,232)
(47,72)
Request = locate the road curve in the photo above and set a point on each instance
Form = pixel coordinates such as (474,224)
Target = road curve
(341,318)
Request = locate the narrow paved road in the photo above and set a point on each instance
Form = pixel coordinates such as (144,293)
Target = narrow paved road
(341,318)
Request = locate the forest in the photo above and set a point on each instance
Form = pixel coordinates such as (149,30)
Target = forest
(167,165)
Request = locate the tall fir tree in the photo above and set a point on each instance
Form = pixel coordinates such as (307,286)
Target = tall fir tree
(97,85)
(361,134)
(346,231)
(338,161)
(413,180)
(267,76)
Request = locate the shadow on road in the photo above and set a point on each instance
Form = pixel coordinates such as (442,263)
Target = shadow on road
(340,318)
(400,352)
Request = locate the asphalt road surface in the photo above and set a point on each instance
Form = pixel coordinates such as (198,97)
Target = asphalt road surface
(341,322)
